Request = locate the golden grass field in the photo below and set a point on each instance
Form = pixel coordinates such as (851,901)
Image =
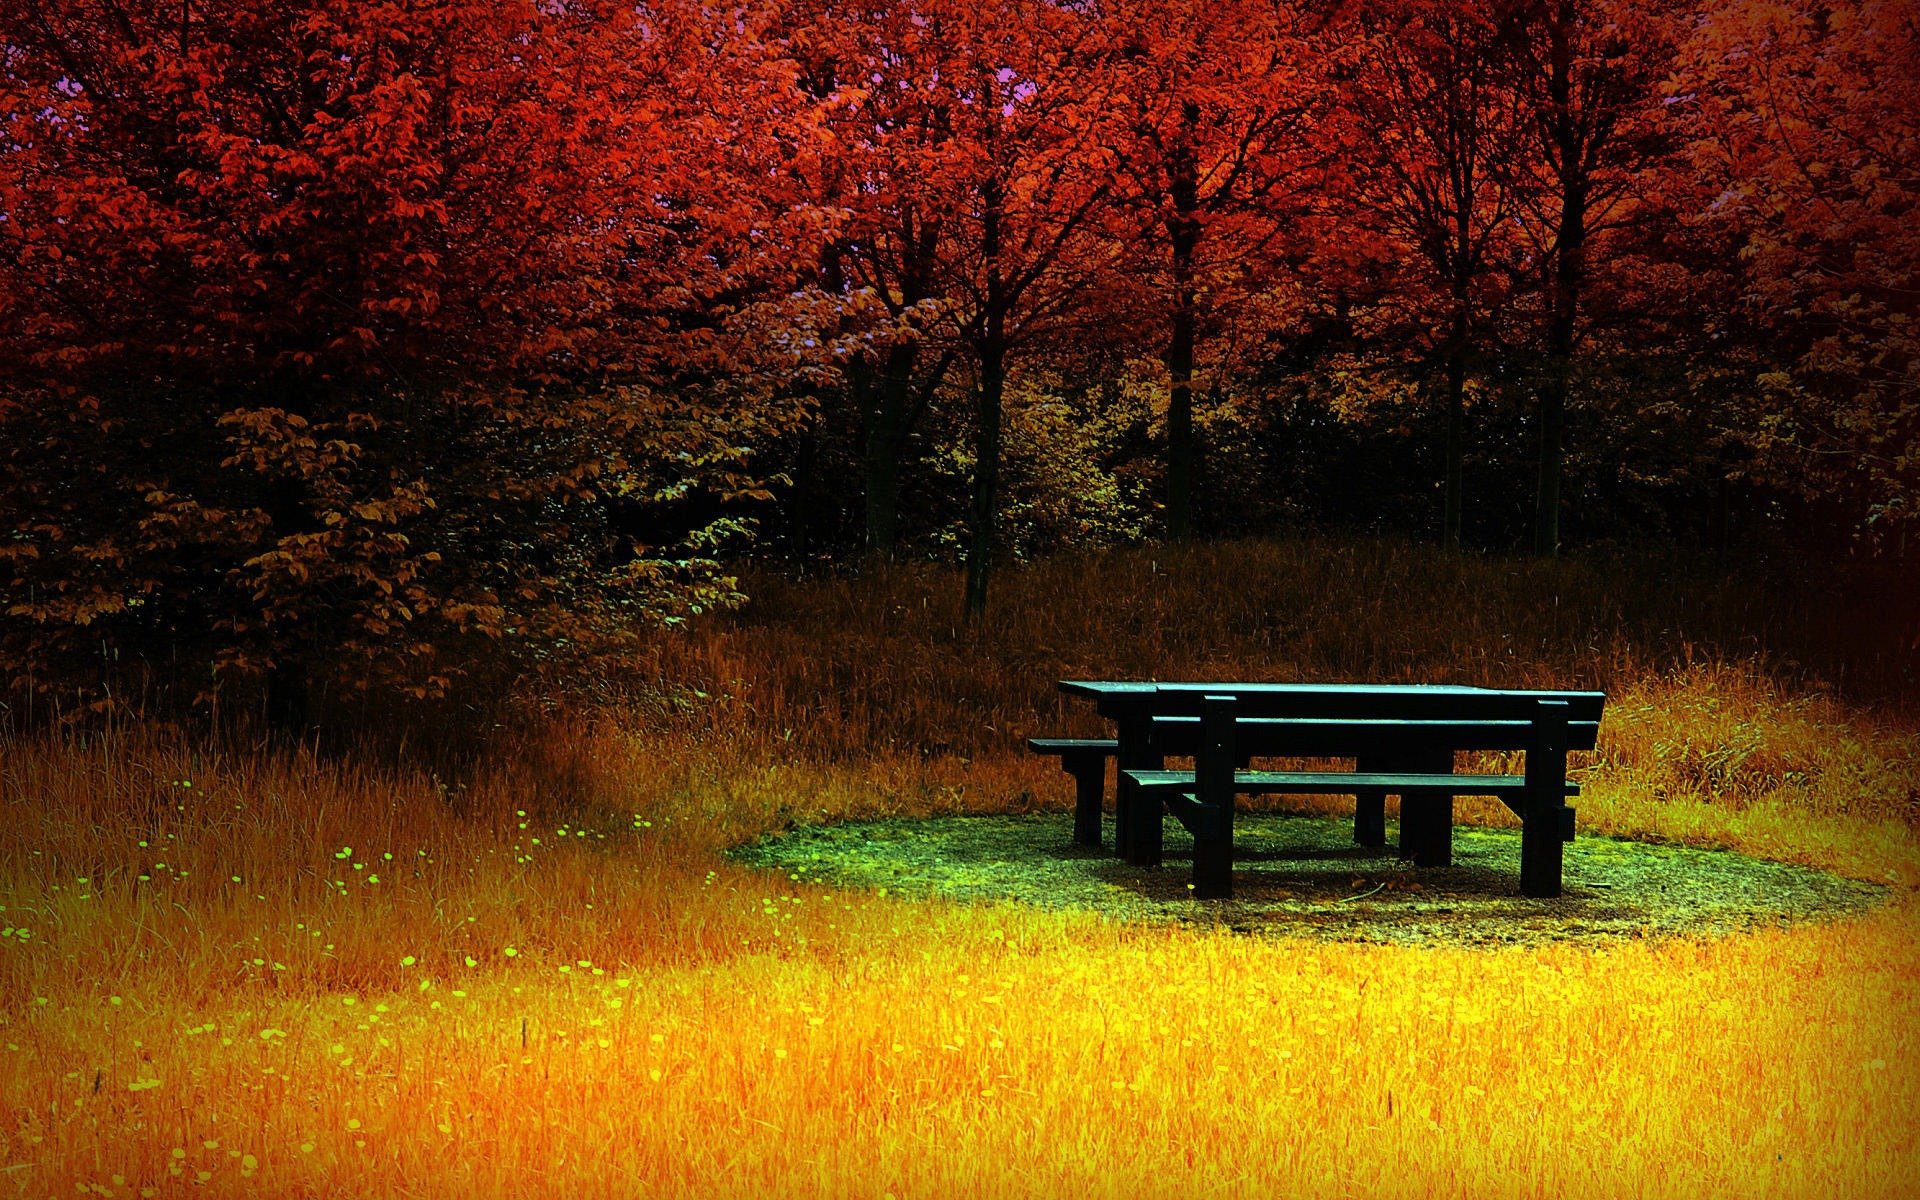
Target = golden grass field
(234,972)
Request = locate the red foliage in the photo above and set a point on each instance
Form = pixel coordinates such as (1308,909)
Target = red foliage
(343,327)
(345,339)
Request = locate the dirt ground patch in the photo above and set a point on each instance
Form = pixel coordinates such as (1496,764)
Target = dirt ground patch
(1302,876)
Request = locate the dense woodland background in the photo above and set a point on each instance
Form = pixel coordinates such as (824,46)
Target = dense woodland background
(426,351)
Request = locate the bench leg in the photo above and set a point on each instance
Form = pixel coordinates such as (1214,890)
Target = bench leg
(1213,768)
(1370,819)
(1413,822)
(1089,785)
(1134,751)
(1542,823)
(1426,818)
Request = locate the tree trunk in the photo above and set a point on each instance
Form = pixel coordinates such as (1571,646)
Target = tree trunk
(1553,420)
(1456,426)
(886,443)
(986,474)
(288,702)
(1568,276)
(991,343)
(1183,236)
(1182,455)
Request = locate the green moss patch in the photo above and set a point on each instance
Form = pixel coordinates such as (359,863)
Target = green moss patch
(1302,876)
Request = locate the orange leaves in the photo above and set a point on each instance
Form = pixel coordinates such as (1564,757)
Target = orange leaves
(1802,121)
(344,320)
(339,330)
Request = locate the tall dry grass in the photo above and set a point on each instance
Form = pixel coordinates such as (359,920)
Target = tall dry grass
(1718,730)
(837,666)
(242,973)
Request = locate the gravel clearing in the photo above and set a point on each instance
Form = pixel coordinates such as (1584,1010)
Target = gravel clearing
(1302,876)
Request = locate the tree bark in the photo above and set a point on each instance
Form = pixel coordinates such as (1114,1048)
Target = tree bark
(1459,346)
(1568,275)
(991,344)
(986,475)
(1456,436)
(1553,420)
(1183,235)
(288,701)
(886,443)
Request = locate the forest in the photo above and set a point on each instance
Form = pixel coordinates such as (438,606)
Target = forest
(536,532)
(352,345)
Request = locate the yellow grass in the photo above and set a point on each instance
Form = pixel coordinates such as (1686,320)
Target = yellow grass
(615,1009)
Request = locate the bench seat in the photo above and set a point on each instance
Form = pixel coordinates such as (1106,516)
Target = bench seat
(1177,788)
(1102,747)
(1507,788)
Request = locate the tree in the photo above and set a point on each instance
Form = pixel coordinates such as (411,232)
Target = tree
(342,335)
(1222,103)
(1589,74)
(973,161)
(1439,124)
(1034,104)
(1804,121)
(877,72)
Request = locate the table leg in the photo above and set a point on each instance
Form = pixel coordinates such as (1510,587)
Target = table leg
(1435,848)
(1148,828)
(1426,818)
(1412,825)
(1433,842)
(1369,810)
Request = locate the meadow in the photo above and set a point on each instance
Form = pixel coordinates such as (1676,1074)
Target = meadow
(262,972)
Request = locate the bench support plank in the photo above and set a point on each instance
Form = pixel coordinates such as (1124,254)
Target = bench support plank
(1213,776)
(1541,823)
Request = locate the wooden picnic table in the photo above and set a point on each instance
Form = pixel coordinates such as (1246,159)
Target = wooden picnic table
(1403,738)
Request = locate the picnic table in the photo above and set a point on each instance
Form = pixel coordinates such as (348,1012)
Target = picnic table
(1403,739)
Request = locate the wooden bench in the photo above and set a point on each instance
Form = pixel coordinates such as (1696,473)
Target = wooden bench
(1422,745)
(1086,760)
(1382,747)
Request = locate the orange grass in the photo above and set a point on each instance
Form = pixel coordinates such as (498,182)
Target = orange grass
(614,1009)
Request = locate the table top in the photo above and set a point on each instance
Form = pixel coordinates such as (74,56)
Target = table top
(1101,688)
(1136,698)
